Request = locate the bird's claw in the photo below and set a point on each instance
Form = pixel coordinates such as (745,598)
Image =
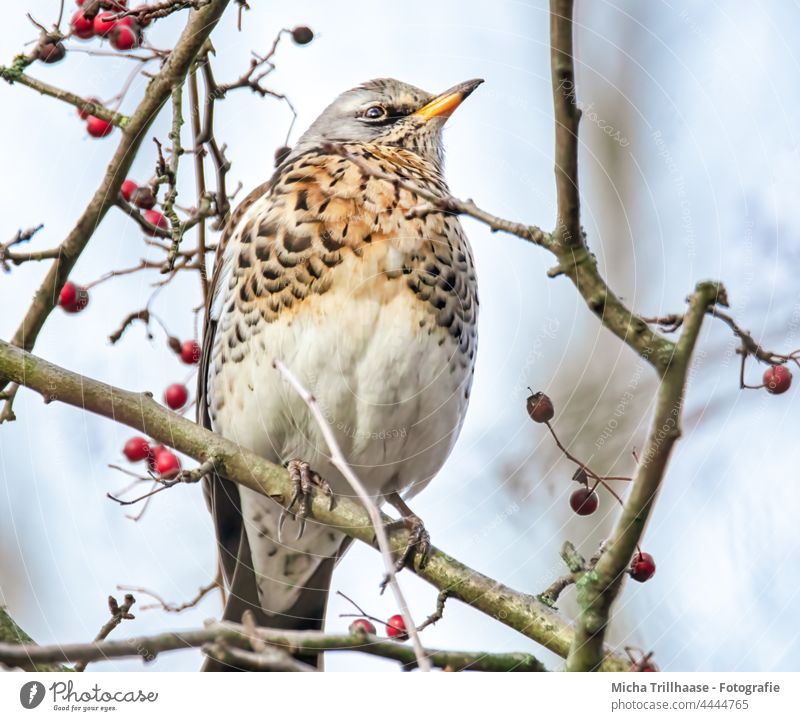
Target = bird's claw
(304,479)
(418,546)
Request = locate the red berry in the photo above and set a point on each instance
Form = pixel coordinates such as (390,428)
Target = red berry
(643,567)
(154,217)
(190,352)
(104,23)
(362,625)
(82,27)
(175,397)
(128,21)
(136,449)
(396,628)
(540,407)
(168,465)
(73,298)
(124,37)
(151,457)
(583,501)
(97,127)
(777,379)
(127,189)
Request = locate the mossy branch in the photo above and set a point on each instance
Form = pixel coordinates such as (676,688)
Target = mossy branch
(517,610)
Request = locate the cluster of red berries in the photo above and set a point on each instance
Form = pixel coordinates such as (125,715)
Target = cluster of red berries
(142,196)
(160,459)
(101,18)
(395,627)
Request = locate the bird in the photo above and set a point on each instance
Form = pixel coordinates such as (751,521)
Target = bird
(367,292)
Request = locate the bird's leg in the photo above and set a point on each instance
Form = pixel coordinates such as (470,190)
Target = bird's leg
(304,480)
(419,540)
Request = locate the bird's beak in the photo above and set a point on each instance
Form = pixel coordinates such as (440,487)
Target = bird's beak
(442,106)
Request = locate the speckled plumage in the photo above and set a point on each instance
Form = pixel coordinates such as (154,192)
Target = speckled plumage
(377,315)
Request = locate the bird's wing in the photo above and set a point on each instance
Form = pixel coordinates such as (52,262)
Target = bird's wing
(222,495)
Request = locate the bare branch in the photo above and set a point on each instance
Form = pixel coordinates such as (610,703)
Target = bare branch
(240,637)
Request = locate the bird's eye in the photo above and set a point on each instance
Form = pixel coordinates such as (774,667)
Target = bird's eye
(374,112)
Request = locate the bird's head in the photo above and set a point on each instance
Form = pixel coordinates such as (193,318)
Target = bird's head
(388,112)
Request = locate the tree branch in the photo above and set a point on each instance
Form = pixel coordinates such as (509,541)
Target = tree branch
(567,115)
(239,637)
(598,587)
(138,410)
(14,75)
(14,638)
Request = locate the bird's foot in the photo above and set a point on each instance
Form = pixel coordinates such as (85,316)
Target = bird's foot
(304,479)
(419,540)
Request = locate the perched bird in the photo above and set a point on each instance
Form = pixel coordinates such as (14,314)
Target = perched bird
(374,309)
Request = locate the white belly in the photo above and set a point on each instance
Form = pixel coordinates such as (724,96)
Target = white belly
(388,388)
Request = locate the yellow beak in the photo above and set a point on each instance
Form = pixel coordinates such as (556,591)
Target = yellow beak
(442,106)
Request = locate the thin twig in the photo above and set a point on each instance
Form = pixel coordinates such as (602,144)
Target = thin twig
(118,614)
(338,460)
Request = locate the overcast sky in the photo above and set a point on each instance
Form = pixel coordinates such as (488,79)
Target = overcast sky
(689,170)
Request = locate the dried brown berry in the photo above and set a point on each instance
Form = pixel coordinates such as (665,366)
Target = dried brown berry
(143,197)
(540,407)
(302,35)
(51,52)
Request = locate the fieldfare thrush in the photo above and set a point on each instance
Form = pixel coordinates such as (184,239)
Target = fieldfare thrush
(372,307)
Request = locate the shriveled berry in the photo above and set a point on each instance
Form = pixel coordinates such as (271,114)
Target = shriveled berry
(362,625)
(81,26)
(643,567)
(777,379)
(396,628)
(144,197)
(584,501)
(97,127)
(190,352)
(156,218)
(540,407)
(302,35)
(51,52)
(128,188)
(176,396)
(281,154)
(124,37)
(168,465)
(73,298)
(136,449)
(104,23)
